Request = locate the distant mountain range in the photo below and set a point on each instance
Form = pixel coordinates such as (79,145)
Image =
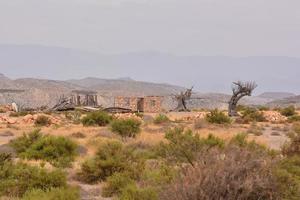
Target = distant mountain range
(42,92)
(206,73)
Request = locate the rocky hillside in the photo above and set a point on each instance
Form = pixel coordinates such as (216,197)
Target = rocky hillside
(29,92)
(276,95)
(294,100)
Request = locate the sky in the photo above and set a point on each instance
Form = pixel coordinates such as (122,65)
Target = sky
(180,27)
(165,36)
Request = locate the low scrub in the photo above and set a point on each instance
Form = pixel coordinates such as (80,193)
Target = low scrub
(53,194)
(116,183)
(232,173)
(288,111)
(59,151)
(42,120)
(294,118)
(185,146)
(126,127)
(98,118)
(217,117)
(73,116)
(17,179)
(252,115)
(288,177)
(132,192)
(161,119)
(255,129)
(112,157)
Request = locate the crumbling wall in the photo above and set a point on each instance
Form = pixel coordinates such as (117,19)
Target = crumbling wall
(153,104)
(126,102)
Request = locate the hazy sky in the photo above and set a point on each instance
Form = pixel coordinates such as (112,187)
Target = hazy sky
(182,27)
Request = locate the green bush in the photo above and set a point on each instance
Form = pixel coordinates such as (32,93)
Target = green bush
(252,115)
(112,157)
(160,119)
(98,118)
(126,127)
(116,183)
(288,111)
(132,192)
(263,108)
(59,151)
(17,179)
(53,194)
(42,120)
(294,118)
(217,117)
(184,146)
(288,177)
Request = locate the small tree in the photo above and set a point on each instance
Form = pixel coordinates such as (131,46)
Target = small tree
(126,127)
(240,90)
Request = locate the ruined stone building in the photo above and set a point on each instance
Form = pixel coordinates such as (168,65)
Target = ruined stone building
(84,98)
(151,104)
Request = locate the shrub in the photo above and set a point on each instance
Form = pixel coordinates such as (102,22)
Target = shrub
(252,115)
(231,174)
(59,151)
(4,157)
(287,173)
(112,157)
(161,119)
(42,120)
(98,118)
(158,175)
(294,118)
(53,194)
(132,192)
(17,179)
(184,146)
(73,116)
(263,108)
(293,147)
(126,127)
(288,111)
(116,183)
(255,129)
(296,128)
(217,117)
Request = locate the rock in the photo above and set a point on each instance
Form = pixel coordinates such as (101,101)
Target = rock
(11,121)
(28,119)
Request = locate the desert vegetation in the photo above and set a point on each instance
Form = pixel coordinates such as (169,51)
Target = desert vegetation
(207,155)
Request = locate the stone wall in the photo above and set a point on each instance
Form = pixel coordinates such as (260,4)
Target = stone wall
(153,104)
(126,102)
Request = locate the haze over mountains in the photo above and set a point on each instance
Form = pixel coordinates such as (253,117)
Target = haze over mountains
(207,74)
(30,92)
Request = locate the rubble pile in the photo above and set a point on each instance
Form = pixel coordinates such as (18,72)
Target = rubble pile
(273,116)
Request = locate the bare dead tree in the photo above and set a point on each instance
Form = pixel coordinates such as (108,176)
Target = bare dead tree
(181,100)
(240,89)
